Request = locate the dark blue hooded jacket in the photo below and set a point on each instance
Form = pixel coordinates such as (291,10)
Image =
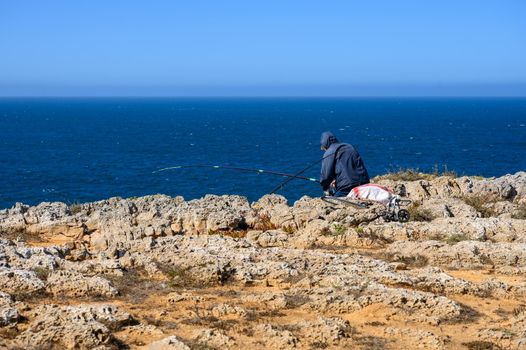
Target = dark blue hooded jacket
(341,162)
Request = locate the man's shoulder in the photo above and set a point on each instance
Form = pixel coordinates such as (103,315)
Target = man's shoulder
(339,147)
(343,145)
(332,148)
(347,148)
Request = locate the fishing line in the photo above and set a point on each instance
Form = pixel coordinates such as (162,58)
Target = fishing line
(259,171)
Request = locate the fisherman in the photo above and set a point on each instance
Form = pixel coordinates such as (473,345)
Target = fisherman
(342,168)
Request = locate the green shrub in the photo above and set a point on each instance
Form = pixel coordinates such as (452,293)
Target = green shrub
(338,229)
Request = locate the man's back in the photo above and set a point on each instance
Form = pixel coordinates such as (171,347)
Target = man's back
(342,164)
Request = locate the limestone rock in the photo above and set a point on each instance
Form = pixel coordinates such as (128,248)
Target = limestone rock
(272,238)
(8,312)
(168,343)
(465,254)
(494,229)
(330,331)
(214,338)
(73,284)
(275,210)
(19,281)
(211,213)
(276,338)
(424,339)
(508,187)
(223,310)
(74,327)
(449,207)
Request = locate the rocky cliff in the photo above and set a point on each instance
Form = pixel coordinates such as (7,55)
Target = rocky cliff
(219,272)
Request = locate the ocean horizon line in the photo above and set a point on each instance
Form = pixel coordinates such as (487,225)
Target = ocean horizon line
(245,97)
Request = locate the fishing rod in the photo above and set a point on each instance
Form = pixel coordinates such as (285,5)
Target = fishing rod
(259,171)
(297,175)
(294,176)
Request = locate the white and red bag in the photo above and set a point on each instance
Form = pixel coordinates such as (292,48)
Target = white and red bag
(371,192)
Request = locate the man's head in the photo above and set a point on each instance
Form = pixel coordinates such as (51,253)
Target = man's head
(327,139)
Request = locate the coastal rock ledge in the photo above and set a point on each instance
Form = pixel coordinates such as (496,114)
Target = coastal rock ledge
(159,272)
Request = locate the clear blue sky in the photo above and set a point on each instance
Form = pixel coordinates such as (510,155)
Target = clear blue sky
(282,47)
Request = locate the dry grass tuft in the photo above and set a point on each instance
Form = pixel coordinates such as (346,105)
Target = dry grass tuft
(486,260)
(480,204)
(189,277)
(41,272)
(406,175)
(264,223)
(9,332)
(289,229)
(229,233)
(319,345)
(413,261)
(370,343)
(412,174)
(296,300)
(417,213)
(201,317)
(444,172)
(519,310)
(456,238)
(200,346)
(520,212)
(159,322)
(372,236)
(135,286)
(21,235)
(75,208)
(481,345)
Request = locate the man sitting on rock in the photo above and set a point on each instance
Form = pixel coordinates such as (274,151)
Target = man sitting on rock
(342,168)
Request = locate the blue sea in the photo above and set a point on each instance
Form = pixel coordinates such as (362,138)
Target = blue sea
(78,150)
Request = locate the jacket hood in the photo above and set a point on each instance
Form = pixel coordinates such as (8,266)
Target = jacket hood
(327,139)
